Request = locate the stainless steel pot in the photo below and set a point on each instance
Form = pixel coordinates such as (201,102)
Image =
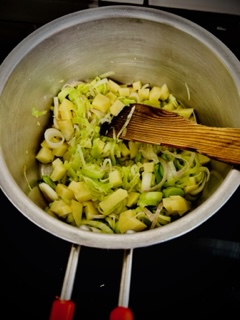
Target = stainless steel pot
(137,44)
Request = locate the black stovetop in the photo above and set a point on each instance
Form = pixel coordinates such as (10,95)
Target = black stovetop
(195,274)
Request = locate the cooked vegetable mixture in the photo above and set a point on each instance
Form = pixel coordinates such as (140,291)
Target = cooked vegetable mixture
(107,184)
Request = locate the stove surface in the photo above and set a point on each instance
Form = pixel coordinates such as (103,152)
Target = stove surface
(197,273)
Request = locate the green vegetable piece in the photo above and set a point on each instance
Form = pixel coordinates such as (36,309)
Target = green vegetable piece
(92,171)
(171,191)
(109,176)
(49,181)
(150,198)
(37,113)
(97,224)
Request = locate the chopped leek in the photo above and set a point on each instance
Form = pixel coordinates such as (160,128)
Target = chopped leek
(107,184)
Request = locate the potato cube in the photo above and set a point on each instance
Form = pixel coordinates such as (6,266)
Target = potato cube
(115,178)
(125,92)
(124,150)
(143,93)
(155,93)
(65,109)
(64,192)
(66,127)
(111,201)
(77,209)
(133,149)
(58,172)
(137,85)
(128,221)
(101,103)
(45,155)
(113,86)
(81,190)
(111,96)
(132,198)
(164,92)
(176,205)
(116,107)
(90,210)
(60,151)
(60,208)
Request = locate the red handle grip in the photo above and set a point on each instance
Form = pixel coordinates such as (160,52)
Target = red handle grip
(62,310)
(121,313)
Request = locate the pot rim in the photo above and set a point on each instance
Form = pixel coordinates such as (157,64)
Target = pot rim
(116,241)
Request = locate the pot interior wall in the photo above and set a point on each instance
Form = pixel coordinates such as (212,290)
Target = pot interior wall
(133,48)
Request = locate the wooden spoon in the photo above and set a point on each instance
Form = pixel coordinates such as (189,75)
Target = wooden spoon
(158,126)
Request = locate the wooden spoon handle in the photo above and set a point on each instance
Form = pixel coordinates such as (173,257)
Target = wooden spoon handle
(158,126)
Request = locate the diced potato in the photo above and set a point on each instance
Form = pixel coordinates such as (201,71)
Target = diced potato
(132,198)
(115,178)
(90,210)
(66,127)
(81,191)
(125,92)
(168,106)
(203,159)
(191,185)
(65,109)
(176,205)
(155,93)
(111,96)
(127,221)
(143,93)
(137,85)
(184,112)
(56,162)
(112,200)
(77,210)
(133,149)
(66,105)
(44,144)
(66,114)
(60,208)
(60,151)
(101,103)
(164,92)
(84,195)
(74,186)
(58,173)
(45,155)
(124,150)
(113,86)
(64,192)
(116,107)
(69,218)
